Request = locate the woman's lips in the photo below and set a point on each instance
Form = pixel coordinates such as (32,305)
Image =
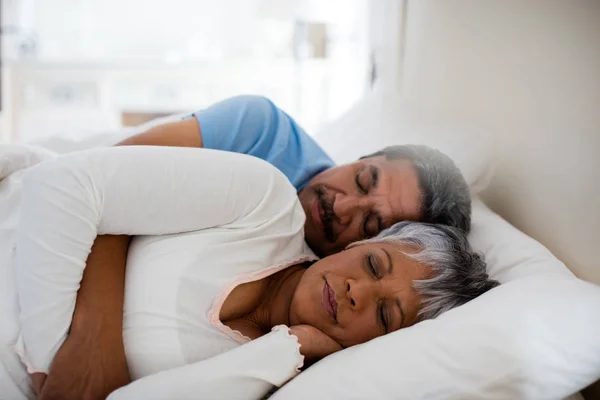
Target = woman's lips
(329,302)
(316,213)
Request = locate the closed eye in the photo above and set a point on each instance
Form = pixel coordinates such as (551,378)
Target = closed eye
(365,227)
(382,316)
(372,267)
(358,185)
(371,225)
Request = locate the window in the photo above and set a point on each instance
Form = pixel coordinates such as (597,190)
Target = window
(96,63)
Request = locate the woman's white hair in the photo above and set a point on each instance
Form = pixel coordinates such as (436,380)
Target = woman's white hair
(459,273)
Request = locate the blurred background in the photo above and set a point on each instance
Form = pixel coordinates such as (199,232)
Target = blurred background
(79,66)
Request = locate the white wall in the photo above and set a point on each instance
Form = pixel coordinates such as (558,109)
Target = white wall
(5,126)
(527,72)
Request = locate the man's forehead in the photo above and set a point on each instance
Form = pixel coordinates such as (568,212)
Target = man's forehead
(400,186)
(371,160)
(383,162)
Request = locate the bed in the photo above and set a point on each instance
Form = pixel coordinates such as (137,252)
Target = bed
(510,343)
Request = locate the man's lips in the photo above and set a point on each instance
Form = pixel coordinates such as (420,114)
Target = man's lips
(316,213)
(329,302)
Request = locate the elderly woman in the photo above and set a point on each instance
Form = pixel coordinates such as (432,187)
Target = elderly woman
(222,294)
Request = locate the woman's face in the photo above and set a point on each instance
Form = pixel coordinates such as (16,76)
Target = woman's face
(359,294)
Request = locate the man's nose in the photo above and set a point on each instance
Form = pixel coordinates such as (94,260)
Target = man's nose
(347,207)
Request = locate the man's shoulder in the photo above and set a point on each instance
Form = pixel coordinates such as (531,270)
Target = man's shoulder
(280,130)
(257,126)
(290,148)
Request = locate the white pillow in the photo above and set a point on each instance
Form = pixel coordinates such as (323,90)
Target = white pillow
(534,337)
(382,119)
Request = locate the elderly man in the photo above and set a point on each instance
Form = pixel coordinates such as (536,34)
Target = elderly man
(343,204)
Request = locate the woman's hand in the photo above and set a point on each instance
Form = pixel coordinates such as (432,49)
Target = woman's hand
(314,344)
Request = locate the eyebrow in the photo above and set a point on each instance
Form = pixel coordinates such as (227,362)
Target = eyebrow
(374,181)
(374,175)
(401,312)
(390,264)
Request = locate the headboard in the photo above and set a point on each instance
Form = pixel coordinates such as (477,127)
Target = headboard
(527,73)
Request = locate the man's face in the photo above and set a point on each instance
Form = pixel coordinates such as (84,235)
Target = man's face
(356,201)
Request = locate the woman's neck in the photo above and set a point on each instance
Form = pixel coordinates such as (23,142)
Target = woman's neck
(275,308)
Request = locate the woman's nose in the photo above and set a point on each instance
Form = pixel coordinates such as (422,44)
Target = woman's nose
(359,293)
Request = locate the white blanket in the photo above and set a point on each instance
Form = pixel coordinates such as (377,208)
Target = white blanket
(14,159)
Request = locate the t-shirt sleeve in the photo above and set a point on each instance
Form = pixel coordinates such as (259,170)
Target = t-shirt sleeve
(68,201)
(247,372)
(255,126)
(242,124)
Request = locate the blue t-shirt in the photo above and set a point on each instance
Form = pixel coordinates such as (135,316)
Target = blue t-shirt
(253,125)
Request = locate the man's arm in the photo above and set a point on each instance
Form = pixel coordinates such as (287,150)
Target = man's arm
(250,125)
(91,363)
(185,133)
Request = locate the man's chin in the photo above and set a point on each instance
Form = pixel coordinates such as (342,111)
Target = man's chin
(316,245)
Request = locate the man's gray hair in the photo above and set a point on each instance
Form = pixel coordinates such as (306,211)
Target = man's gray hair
(459,274)
(445,197)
